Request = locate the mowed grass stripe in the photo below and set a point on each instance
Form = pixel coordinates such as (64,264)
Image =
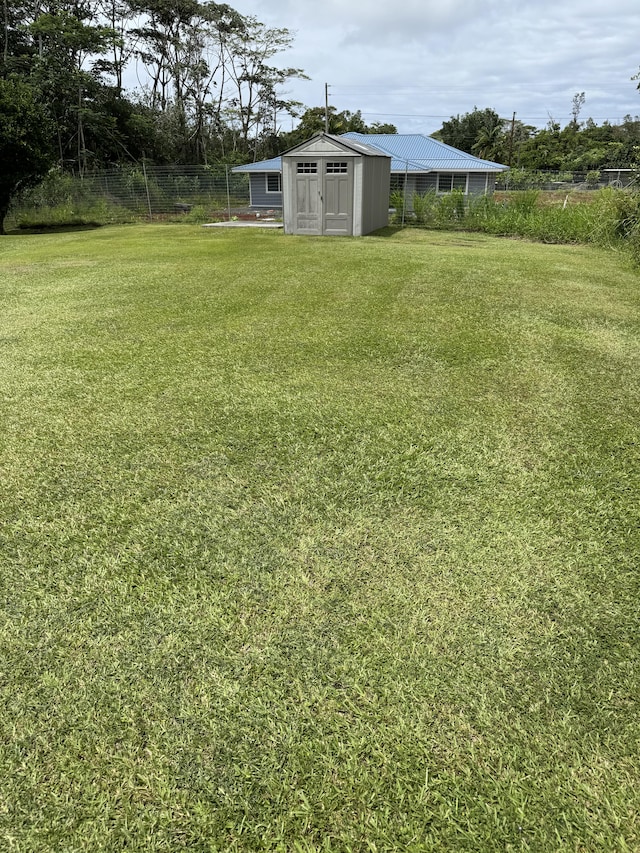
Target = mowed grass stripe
(317,544)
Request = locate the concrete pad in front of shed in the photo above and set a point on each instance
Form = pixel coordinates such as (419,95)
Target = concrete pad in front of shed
(244,224)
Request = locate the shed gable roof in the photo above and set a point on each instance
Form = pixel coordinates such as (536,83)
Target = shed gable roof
(327,143)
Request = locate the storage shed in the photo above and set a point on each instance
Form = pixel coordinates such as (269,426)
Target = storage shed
(335,186)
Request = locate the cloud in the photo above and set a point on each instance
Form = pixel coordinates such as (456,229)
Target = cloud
(435,58)
(409,22)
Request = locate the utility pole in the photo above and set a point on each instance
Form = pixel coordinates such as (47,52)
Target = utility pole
(326,108)
(511,135)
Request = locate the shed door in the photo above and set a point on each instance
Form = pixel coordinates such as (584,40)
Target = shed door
(338,197)
(308,197)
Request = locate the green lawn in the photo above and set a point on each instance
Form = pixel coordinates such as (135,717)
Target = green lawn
(318,544)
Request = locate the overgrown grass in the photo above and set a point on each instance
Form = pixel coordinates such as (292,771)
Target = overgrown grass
(609,218)
(126,195)
(316,544)
(95,213)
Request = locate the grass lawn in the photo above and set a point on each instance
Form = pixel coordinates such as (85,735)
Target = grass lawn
(318,545)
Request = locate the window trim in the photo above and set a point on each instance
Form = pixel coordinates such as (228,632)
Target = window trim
(271,175)
(336,167)
(452,176)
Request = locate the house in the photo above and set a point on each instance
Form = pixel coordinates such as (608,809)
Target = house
(418,163)
(334,186)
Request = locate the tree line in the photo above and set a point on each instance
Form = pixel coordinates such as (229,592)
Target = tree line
(209,87)
(580,146)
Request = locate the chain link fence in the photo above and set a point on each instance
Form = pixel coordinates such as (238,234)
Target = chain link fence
(135,192)
(594,179)
(212,193)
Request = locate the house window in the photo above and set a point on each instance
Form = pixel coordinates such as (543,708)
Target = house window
(274,183)
(448,183)
(306,168)
(337,168)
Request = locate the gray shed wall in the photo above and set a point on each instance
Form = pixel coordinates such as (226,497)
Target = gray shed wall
(375,193)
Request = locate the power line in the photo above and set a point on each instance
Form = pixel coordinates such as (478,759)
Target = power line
(546,118)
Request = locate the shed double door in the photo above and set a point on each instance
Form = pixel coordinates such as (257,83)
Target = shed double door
(323,196)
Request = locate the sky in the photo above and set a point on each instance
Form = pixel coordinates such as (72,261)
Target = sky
(416,63)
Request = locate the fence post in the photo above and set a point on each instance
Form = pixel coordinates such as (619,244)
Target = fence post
(226,171)
(404,194)
(146,185)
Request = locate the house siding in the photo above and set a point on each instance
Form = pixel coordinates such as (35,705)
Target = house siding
(259,197)
(478,183)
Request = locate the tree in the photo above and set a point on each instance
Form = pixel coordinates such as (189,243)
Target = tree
(26,153)
(210,87)
(490,138)
(465,132)
(255,102)
(15,41)
(313,121)
(381,127)
(118,15)
(576,108)
(66,41)
(211,79)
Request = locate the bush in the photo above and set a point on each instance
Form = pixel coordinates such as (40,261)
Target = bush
(524,201)
(397,202)
(451,208)
(481,211)
(198,214)
(522,179)
(424,206)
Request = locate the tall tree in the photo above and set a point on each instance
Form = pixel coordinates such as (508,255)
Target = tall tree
(255,99)
(121,44)
(210,71)
(490,138)
(313,121)
(67,40)
(26,153)
(576,108)
(474,131)
(210,79)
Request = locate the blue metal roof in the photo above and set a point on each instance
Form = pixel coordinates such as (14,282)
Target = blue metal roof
(409,152)
(273,165)
(415,152)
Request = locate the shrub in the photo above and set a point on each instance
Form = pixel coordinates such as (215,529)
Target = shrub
(524,201)
(397,202)
(615,215)
(522,179)
(424,206)
(481,210)
(450,208)
(197,215)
